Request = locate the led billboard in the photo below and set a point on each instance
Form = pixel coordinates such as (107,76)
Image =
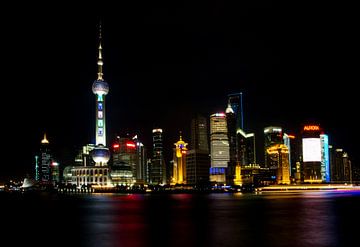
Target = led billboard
(311,149)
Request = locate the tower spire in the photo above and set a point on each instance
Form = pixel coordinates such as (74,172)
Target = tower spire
(100,61)
(44,141)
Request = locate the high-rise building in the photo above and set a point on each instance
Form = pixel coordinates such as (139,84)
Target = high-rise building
(198,158)
(341,170)
(157,168)
(199,134)
(286,141)
(325,159)
(128,161)
(55,173)
(278,154)
(273,136)
(179,167)
(311,154)
(141,160)
(234,145)
(124,161)
(197,167)
(45,161)
(292,143)
(236,102)
(250,158)
(246,148)
(219,147)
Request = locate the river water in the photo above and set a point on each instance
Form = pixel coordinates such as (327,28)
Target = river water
(318,218)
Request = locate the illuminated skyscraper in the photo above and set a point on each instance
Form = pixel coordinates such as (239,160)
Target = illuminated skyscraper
(279,156)
(311,154)
(141,160)
(100,88)
(157,168)
(124,165)
(293,145)
(128,161)
(219,147)
(273,136)
(325,159)
(179,168)
(45,160)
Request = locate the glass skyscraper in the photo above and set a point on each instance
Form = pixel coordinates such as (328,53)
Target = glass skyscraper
(236,102)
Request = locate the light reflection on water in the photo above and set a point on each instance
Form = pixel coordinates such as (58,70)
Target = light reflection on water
(274,219)
(267,219)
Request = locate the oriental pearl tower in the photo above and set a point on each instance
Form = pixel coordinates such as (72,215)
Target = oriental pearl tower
(100,88)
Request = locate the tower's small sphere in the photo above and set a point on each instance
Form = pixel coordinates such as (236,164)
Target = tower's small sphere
(100,87)
(100,154)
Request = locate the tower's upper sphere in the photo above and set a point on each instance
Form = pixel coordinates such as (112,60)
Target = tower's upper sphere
(100,87)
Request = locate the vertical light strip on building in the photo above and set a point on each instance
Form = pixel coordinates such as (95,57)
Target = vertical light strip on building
(325,165)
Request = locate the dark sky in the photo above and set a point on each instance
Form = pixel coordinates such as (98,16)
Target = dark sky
(165,62)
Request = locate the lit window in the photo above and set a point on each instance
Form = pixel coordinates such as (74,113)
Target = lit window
(100,114)
(100,106)
(101,123)
(100,131)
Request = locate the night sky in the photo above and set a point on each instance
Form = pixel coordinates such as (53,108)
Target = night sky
(165,62)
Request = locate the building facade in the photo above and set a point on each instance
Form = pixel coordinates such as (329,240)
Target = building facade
(219,147)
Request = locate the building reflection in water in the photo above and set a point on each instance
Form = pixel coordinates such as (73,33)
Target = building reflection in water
(115,220)
(186,220)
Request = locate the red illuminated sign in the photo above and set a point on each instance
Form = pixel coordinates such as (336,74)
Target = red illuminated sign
(130,145)
(116,146)
(311,127)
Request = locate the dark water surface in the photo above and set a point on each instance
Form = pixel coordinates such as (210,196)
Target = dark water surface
(268,219)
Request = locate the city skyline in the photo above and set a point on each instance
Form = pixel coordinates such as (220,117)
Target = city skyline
(197,61)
